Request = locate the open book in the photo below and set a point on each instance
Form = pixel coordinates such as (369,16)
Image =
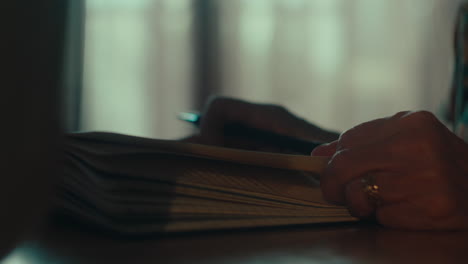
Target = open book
(133,186)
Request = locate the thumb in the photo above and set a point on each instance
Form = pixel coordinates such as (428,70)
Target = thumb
(328,149)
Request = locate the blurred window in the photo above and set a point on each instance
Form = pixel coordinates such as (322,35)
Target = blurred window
(334,62)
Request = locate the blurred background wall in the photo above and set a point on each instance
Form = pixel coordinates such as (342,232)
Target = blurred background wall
(334,62)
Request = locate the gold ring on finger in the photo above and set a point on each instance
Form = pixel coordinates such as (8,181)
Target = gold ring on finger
(371,189)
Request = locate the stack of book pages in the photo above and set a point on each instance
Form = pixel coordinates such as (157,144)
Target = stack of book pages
(135,186)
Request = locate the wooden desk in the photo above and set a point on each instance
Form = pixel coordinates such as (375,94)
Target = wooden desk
(350,243)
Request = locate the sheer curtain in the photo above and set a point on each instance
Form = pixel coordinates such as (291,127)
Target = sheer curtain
(338,62)
(138,66)
(334,62)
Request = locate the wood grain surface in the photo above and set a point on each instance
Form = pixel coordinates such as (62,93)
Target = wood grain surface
(337,243)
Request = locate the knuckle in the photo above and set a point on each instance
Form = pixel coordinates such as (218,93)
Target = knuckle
(421,118)
(426,115)
(401,114)
(422,133)
(352,136)
(345,138)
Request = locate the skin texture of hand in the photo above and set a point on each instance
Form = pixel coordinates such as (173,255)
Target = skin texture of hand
(420,166)
(221,111)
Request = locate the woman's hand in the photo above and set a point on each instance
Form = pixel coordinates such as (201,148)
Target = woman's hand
(221,112)
(419,166)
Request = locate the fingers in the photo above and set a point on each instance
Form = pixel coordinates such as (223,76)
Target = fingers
(363,134)
(358,201)
(218,112)
(365,149)
(392,189)
(222,111)
(347,165)
(327,149)
(416,170)
(370,132)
